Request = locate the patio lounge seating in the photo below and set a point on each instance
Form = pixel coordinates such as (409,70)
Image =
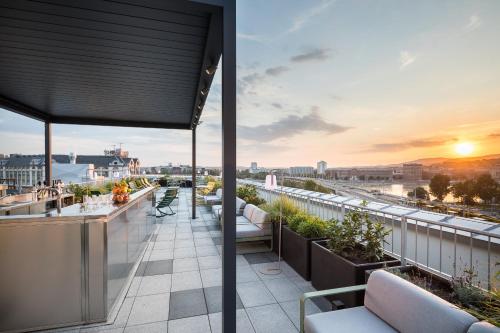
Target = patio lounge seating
(165,203)
(392,304)
(240,205)
(213,199)
(253,225)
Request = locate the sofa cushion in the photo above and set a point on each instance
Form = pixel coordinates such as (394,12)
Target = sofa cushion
(248,211)
(242,220)
(240,205)
(251,230)
(411,309)
(218,193)
(483,327)
(260,218)
(352,320)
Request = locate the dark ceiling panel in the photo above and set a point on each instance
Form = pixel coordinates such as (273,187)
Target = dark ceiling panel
(123,63)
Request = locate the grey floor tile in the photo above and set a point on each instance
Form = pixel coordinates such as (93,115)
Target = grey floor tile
(292,309)
(254,294)
(159,267)
(185,252)
(266,271)
(211,277)
(183,235)
(216,227)
(155,284)
(243,324)
(283,289)
(186,280)
(161,255)
(213,296)
(205,251)
(210,262)
(187,303)
(149,309)
(217,240)
(185,265)
(182,243)
(199,229)
(167,236)
(201,234)
(134,286)
(141,268)
(102,329)
(198,324)
(241,261)
(270,319)
(257,258)
(124,313)
(203,242)
(159,327)
(165,245)
(245,274)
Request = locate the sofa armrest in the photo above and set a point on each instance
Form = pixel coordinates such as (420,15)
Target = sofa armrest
(322,293)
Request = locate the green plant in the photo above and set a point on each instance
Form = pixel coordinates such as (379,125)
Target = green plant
(440,186)
(282,206)
(249,194)
(358,236)
(295,220)
(312,227)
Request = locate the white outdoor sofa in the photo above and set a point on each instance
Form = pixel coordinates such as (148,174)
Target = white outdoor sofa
(213,199)
(240,205)
(253,225)
(392,304)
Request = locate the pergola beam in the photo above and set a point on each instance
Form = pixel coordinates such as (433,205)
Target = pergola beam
(22,109)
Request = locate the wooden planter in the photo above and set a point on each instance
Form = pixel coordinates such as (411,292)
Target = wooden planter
(296,251)
(329,270)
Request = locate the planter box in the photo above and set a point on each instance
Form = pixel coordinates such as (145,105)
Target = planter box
(296,251)
(329,270)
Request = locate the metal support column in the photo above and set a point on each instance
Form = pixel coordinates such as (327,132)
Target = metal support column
(193,175)
(229,167)
(48,153)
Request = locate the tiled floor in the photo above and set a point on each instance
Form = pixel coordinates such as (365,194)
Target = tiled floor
(177,287)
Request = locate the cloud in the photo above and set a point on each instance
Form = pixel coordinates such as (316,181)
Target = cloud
(474,23)
(251,37)
(404,145)
(289,126)
(406,59)
(277,105)
(494,135)
(313,55)
(299,22)
(276,71)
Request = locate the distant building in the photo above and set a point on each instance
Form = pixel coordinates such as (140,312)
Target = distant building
(321,167)
(253,168)
(301,171)
(28,170)
(412,171)
(374,173)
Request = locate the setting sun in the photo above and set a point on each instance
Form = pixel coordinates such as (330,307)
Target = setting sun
(464,148)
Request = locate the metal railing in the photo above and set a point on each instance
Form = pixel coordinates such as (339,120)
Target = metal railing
(442,244)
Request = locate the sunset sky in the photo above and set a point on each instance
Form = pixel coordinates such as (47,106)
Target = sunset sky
(348,82)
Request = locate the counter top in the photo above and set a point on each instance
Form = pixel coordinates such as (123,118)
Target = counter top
(20,204)
(78,212)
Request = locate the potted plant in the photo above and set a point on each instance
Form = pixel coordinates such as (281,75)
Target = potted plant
(283,208)
(353,247)
(296,240)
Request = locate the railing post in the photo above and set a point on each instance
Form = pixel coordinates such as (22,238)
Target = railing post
(404,234)
(342,211)
(308,205)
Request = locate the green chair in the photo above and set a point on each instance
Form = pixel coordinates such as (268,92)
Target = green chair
(165,203)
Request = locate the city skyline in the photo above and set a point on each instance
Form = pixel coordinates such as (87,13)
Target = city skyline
(432,88)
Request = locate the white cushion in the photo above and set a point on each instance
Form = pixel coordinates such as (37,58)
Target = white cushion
(411,309)
(248,211)
(218,193)
(242,220)
(352,320)
(240,205)
(216,208)
(260,218)
(483,327)
(251,230)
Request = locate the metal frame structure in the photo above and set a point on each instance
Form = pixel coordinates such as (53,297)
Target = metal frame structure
(220,40)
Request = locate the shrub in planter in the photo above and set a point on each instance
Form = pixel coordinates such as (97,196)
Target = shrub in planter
(353,247)
(297,236)
(288,209)
(249,194)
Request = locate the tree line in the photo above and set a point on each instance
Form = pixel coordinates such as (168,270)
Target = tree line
(482,187)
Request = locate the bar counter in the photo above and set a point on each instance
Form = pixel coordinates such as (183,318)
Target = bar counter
(70,268)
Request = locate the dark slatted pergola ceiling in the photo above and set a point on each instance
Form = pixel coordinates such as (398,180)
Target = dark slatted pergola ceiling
(138,63)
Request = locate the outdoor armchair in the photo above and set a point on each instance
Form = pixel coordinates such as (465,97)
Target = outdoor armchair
(392,304)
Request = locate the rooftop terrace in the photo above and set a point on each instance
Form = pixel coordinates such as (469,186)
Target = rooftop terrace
(178,283)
